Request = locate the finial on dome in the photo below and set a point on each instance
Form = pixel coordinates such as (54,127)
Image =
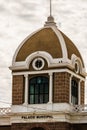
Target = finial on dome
(50,19)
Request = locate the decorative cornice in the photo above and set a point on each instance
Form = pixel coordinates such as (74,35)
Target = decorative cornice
(48,71)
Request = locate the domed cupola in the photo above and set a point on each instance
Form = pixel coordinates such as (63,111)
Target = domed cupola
(51,44)
(47,70)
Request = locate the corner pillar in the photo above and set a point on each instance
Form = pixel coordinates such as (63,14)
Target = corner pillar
(50,87)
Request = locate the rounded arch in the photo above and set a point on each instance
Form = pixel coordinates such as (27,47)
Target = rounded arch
(75,60)
(39,125)
(42,54)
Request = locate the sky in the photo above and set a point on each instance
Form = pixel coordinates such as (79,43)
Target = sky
(19,18)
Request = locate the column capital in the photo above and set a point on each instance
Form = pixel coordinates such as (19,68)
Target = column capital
(71,76)
(80,80)
(26,75)
(50,73)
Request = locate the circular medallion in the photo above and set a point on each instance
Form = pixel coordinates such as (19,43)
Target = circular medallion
(38,63)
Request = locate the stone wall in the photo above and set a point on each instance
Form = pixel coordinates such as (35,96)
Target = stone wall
(82,92)
(5,127)
(18,90)
(61,87)
(79,126)
(45,126)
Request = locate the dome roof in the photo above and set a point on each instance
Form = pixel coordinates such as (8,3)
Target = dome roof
(51,42)
(43,40)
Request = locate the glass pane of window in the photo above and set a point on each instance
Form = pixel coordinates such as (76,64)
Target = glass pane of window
(46,88)
(36,99)
(46,98)
(45,80)
(33,81)
(32,89)
(36,89)
(31,99)
(41,88)
(39,80)
(41,98)
(74,93)
(74,100)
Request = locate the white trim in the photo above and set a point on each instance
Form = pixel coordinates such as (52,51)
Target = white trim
(50,87)
(17,50)
(44,55)
(57,62)
(26,89)
(56,117)
(75,59)
(62,42)
(48,71)
(77,67)
(53,107)
(45,116)
(79,92)
(51,62)
(70,90)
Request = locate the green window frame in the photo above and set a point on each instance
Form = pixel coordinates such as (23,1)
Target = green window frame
(74,92)
(38,90)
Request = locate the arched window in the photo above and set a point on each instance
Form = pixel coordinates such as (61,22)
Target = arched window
(38,90)
(74,92)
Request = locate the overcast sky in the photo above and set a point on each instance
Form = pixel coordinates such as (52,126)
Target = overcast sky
(19,18)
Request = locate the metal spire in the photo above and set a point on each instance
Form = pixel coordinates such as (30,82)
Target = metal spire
(50,19)
(50,7)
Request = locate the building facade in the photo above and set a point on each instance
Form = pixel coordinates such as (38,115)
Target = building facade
(48,84)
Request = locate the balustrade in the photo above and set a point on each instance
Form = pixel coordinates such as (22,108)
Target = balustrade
(5,110)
